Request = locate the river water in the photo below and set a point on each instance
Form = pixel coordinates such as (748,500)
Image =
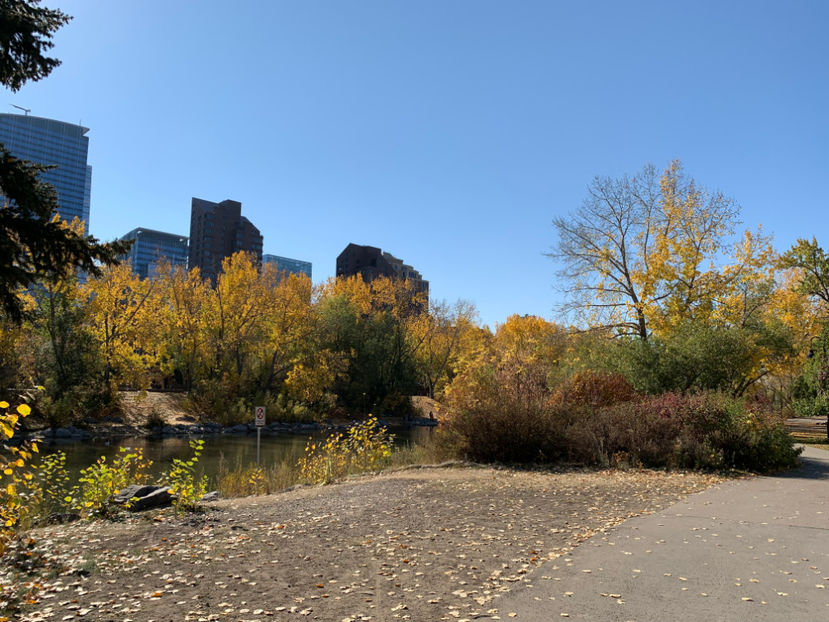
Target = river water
(228,448)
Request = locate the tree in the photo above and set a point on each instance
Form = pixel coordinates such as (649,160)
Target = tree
(813,265)
(183,320)
(25,36)
(374,327)
(32,240)
(641,254)
(445,333)
(123,311)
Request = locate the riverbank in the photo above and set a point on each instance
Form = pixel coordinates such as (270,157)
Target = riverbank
(159,414)
(419,544)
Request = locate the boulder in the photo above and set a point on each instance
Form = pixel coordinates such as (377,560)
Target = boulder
(144,497)
(210,496)
(160,497)
(136,490)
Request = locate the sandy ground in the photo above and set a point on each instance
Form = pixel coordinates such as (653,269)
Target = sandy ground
(420,544)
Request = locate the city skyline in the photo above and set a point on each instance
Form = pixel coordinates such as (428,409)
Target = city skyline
(451,134)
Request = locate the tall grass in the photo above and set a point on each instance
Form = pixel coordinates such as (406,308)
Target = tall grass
(245,479)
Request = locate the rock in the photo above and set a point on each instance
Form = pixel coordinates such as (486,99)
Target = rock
(210,496)
(158,498)
(136,490)
(63,433)
(239,428)
(144,497)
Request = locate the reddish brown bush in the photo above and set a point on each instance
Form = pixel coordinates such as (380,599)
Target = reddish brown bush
(595,389)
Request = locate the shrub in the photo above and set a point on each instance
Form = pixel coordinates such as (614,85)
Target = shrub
(50,490)
(366,446)
(397,405)
(13,471)
(187,486)
(503,415)
(594,389)
(498,416)
(100,481)
(811,406)
(640,433)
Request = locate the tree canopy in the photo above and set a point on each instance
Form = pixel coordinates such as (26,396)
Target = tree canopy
(26,31)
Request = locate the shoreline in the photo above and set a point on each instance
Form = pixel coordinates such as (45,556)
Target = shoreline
(117,430)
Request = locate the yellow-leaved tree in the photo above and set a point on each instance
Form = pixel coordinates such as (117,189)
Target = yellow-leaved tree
(649,253)
(183,323)
(122,312)
(235,323)
(446,333)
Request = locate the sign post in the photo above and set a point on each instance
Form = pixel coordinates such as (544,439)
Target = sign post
(259,419)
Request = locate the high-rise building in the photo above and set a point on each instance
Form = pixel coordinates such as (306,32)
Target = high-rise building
(285,264)
(149,248)
(217,230)
(371,262)
(62,145)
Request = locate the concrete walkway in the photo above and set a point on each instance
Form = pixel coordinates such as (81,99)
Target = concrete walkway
(750,549)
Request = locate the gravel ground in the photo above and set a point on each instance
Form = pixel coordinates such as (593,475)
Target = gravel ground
(421,544)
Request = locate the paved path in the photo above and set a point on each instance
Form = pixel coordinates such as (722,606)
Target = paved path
(751,549)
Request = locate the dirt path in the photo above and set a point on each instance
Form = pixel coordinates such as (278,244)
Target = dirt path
(424,544)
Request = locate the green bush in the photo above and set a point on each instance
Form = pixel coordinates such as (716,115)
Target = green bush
(100,481)
(186,484)
(811,406)
(50,490)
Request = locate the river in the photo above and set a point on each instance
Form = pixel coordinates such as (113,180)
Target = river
(231,449)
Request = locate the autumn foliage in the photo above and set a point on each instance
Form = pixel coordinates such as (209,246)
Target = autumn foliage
(256,337)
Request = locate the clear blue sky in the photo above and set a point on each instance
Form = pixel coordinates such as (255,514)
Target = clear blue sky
(449,133)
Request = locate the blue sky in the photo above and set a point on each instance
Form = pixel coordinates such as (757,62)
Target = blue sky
(449,133)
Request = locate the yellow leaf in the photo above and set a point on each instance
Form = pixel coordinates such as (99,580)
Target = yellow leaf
(24,409)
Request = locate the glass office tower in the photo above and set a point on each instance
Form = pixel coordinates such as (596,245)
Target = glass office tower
(63,145)
(150,247)
(285,264)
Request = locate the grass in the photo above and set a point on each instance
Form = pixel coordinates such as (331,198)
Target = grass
(242,480)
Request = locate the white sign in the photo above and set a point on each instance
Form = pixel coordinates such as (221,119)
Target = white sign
(260,416)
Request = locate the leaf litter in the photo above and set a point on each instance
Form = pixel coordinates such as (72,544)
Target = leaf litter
(424,544)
